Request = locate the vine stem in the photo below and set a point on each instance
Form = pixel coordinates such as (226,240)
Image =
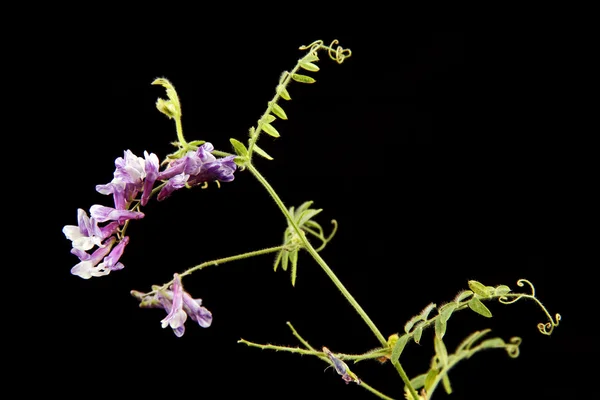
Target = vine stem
(328,271)
(221,261)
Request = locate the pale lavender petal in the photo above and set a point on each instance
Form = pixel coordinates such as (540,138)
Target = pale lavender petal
(151,168)
(176,182)
(174,317)
(103,214)
(193,307)
(112,260)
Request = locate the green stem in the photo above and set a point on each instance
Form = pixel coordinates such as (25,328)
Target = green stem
(221,261)
(330,273)
(317,257)
(179,129)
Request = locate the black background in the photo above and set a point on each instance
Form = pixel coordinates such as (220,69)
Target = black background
(441,150)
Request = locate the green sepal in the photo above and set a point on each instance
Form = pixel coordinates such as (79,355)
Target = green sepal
(303,78)
(197,143)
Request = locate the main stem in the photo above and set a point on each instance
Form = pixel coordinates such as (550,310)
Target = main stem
(331,275)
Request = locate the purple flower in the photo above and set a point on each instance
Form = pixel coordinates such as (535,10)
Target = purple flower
(151,169)
(88,265)
(176,182)
(87,233)
(179,305)
(103,214)
(195,168)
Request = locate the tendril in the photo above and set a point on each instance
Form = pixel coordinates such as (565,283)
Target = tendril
(544,328)
(340,53)
(512,348)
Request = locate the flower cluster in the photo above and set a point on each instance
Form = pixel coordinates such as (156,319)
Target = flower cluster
(178,304)
(134,175)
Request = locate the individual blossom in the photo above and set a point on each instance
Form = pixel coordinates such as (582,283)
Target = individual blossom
(103,214)
(178,304)
(176,182)
(87,234)
(151,168)
(102,261)
(132,175)
(197,167)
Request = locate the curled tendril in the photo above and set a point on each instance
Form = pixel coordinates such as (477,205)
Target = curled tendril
(548,327)
(324,241)
(314,46)
(544,328)
(340,53)
(512,348)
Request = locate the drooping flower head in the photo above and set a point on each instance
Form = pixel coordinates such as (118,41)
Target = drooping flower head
(179,305)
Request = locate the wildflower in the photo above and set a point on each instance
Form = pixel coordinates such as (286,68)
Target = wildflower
(195,168)
(103,214)
(87,233)
(151,169)
(341,368)
(179,305)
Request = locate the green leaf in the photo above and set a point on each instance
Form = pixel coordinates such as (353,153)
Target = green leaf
(261,152)
(501,290)
(303,78)
(446,311)
(472,338)
(239,147)
(411,322)
(308,214)
(418,381)
(440,350)
(268,119)
(476,305)
(463,296)
(480,289)
(300,210)
(197,142)
(493,343)
(268,128)
(282,92)
(425,313)
(440,328)
(446,382)
(277,110)
(277,260)
(294,261)
(284,259)
(310,58)
(309,66)
(399,347)
(417,334)
(430,379)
